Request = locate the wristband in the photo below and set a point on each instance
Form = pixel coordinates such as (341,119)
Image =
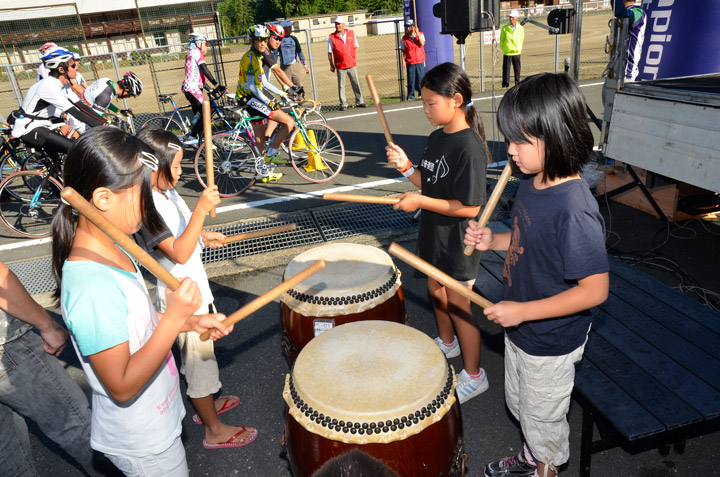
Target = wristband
(407,166)
(409,172)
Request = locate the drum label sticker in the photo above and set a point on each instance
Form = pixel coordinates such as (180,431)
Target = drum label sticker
(321,325)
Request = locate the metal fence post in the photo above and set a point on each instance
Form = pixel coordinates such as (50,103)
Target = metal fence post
(557,52)
(308,50)
(481,45)
(14,85)
(401,83)
(116,67)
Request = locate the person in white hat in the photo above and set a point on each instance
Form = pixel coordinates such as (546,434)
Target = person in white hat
(413,51)
(342,45)
(291,55)
(512,37)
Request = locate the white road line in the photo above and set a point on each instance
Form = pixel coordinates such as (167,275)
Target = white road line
(25,243)
(308,195)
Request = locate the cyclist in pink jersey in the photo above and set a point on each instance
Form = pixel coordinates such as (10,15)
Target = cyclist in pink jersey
(196,76)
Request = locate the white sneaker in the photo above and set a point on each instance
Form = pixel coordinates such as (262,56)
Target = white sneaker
(467,387)
(451,351)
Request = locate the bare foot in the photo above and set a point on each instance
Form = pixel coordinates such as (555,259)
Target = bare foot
(224,433)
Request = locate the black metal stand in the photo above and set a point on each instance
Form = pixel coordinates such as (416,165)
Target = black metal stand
(637,183)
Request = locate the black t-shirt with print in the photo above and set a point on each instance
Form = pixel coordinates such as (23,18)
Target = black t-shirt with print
(452,167)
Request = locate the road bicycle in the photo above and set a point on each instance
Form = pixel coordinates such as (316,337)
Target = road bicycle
(29,198)
(316,152)
(12,153)
(179,124)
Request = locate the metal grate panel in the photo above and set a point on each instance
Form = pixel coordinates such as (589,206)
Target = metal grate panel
(305,233)
(356,219)
(35,275)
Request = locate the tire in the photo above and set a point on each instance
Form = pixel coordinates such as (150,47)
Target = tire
(165,122)
(329,150)
(12,162)
(233,163)
(16,212)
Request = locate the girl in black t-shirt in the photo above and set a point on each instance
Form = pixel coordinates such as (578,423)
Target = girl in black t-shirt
(556,266)
(451,176)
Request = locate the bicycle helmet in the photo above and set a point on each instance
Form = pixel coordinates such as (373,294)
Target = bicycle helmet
(132,83)
(56,57)
(46,47)
(276,30)
(258,31)
(196,37)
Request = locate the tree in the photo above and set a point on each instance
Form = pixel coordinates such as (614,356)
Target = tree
(236,16)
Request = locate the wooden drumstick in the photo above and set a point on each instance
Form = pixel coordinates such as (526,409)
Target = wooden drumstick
(207,126)
(438,275)
(378,107)
(263,300)
(84,207)
(362,198)
(492,202)
(255,234)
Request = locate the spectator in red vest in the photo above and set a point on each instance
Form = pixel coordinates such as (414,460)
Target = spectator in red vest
(413,51)
(341,54)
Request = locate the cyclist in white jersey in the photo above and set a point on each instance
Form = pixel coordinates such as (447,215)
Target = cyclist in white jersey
(100,93)
(45,107)
(196,76)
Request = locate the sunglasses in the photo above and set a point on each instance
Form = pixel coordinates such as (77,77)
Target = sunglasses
(75,66)
(277,38)
(261,40)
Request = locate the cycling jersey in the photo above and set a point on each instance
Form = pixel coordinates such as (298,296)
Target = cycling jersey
(252,80)
(194,75)
(42,72)
(99,95)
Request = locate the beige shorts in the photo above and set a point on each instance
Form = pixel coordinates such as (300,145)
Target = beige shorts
(198,365)
(538,391)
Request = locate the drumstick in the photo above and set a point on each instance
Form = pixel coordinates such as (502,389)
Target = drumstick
(362,198)
(207,125)
(378,107)
(255,234)
(438,275)
(263,300)
(71,196)
(492,202)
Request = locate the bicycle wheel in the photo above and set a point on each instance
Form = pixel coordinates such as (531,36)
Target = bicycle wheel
(28,201)
(233,163)
(165,122)
(317,152)
(12,162)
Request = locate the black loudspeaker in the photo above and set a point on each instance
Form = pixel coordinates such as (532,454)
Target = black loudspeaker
(459,17)
(563,19)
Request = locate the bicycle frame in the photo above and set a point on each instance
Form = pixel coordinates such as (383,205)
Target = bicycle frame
(214,109)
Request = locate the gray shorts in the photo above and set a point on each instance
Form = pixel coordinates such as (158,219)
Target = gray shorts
(537,392)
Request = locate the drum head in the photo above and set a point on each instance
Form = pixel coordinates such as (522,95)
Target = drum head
(371,376)
(356,278)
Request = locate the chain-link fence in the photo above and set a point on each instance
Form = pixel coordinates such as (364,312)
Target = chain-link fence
(161,67)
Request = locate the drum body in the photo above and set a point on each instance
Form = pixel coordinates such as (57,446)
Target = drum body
(360,282)
(380,387)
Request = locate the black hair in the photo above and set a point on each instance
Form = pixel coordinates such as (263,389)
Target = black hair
(448,79)
(549,107)
(102,157)
(158,140)
(354,463)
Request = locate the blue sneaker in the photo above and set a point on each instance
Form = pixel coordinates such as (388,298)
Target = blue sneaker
(452,350)
(468,387)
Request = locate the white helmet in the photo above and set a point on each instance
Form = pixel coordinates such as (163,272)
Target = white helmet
(46,47)
(56,57)
(132,83)
(258,31)
(196,37)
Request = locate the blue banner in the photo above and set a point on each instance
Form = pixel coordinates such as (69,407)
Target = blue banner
(681,39)
(438,48)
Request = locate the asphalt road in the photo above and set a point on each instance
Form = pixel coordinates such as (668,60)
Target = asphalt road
(252,364)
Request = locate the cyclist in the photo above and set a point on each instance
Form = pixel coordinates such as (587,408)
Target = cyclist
(196,76)
(77,84)
(291,54)
(270,60)
(45,107)
(42,72)
(100,93)
(253,92)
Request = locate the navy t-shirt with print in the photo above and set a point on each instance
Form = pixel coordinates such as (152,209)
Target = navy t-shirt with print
(557,237)
(452,167)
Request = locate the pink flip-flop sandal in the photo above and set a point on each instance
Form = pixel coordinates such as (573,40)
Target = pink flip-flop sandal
(225,407)
(232,442)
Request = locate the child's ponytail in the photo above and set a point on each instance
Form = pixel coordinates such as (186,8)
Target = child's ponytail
(63,230)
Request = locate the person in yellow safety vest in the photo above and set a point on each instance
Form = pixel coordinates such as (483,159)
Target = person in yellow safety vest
(512,37)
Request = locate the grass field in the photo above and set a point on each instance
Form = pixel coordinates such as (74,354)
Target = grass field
(377,55)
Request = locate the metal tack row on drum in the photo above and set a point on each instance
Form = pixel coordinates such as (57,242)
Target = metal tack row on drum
(378,386)
(360,282)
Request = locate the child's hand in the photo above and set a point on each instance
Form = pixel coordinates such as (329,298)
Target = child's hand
(212,321)
(506,313)
(211,239)
(481,238)
(184,301)
(408,202)
(209,198)
(396,156)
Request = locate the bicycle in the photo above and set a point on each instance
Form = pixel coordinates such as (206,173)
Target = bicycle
(28,199)
(316,152)
(122,121)
(180,126)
